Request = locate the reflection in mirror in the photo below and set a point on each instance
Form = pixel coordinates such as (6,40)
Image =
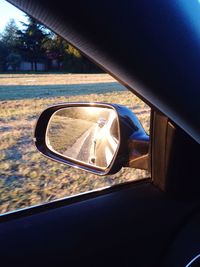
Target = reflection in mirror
(87,134)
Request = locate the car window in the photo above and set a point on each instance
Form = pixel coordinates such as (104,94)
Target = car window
(36,72)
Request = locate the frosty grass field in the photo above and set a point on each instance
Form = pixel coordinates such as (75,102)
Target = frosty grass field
(27,178)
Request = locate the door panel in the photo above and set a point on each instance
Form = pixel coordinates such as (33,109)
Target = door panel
(129,227)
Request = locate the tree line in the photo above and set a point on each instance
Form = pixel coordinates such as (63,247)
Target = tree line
(34,43)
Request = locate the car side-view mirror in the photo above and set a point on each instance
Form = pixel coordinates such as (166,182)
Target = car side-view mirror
(97,137)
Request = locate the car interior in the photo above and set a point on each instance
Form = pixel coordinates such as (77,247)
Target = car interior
(150,222)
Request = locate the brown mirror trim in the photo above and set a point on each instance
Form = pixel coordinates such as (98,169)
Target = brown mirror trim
(139,154)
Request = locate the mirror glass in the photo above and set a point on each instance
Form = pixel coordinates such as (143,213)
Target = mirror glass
(86,134)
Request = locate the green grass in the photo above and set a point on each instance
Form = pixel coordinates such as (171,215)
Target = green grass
(28,178)
(14,92)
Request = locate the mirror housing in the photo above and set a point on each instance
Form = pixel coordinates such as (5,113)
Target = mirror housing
(132,146)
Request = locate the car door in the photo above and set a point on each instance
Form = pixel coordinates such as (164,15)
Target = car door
(133,224)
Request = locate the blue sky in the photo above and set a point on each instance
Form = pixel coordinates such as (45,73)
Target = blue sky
(8,11)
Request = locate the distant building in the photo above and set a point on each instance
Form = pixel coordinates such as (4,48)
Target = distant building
(27,66)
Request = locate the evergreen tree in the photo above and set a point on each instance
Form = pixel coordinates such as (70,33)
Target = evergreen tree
(34,43)
(3,55)
(9,37)
(8,43)
(31,41)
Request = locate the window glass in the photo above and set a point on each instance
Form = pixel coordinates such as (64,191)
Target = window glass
(36,72)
